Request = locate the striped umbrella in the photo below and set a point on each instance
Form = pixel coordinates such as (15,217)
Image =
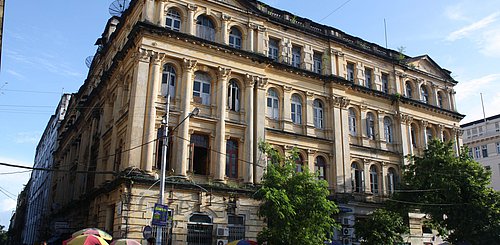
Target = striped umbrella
(243,242)
(86,240)
(93,231)
(125,242)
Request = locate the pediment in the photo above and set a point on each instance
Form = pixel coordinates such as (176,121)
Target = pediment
(426,64)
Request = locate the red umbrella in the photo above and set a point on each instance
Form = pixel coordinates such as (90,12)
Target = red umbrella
(85,240)
(125,242)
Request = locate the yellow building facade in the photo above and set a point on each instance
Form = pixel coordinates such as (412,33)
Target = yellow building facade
(353,109)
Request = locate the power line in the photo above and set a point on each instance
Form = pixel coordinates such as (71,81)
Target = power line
(6,193)
(426,204)
(57,170)
(335,10)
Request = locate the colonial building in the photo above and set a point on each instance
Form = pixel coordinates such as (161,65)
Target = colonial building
(352,108)
(483,139)
(38,206)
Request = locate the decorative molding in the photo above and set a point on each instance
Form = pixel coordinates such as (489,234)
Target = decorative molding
(226,17)
(287,88)
(262,83)
(251,80)
(224,72)
(158,57)
(424,123)
(189,64)
(143,55)
(309,94)
(192,7)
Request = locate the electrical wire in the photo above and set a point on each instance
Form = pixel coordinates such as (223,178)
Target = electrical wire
(7,193)
(56,170)
(335,10)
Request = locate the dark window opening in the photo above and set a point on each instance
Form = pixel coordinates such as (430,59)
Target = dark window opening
(200,154)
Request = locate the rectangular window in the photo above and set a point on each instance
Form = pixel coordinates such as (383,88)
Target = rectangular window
(236,225)
(484,150)
(474,132)
(470,153)
(201,92)
(200,154)
(296,52)
(368,77)
(317,62)
(350,72)
(480,130)
(385,83)
(498,147)
(232,159)
(273,49)
(477,152)
(497,127)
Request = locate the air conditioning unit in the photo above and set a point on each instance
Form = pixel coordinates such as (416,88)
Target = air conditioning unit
(347,220)
(347,232)
(222,231)
(221,242)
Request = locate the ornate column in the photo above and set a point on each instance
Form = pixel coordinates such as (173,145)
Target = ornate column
(183,131)
(249,132)
(309,111)
(250,40)
(148,11)
(287,108)
(440,130)
(220,133)
(399,83)
(383,180)
(456,133)
(404,134)
(259,129)
(453,102)
(224,29)
(138,92)
(366,176)
(341,143)
(161,12)
(191,22)
(260,39)
(150,116)
(381,130)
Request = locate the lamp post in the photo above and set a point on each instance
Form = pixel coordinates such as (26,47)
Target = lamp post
(164,136)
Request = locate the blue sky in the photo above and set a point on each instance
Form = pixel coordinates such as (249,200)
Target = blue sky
(45,44)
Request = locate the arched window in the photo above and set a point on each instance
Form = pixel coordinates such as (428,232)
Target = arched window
(296,109)
(168,80)
(391,180)
(408,90)
(272,104)
(235,38)
(319,167)
(440,100)
(413,135)
(200,228)
(173,20)
(373,179)
(205,28)
(388,130)
(370,126)
(357,178)
(318,114)
(233,96)
(352,122)
(232,159)
(424,95)
(429,135)
(201,88)
(299,164)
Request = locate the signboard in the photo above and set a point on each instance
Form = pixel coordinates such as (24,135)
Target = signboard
(147,232)
(160,215)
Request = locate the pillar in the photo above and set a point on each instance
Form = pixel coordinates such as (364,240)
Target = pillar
(136,108)
(161,13)
(250,37)
(220,134)
(148,11)
(224,29)
(424,125)
(383,180)
(341,144)
(182,145)
(249,139)
(259,129)
(191,22)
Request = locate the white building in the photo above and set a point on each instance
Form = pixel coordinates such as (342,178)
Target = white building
(483,139)
(39,191)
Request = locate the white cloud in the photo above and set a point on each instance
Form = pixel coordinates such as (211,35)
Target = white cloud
(469,29)
(455,12)
(490,43)
(27,137)
(15,74)
(474,86)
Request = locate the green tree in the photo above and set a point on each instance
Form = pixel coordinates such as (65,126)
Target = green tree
(295,205)
(3,235)
(382,227)
(453,191)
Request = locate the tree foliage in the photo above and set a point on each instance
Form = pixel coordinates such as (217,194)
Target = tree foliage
(294,204)
(382,227)
(4,237)
(453,191)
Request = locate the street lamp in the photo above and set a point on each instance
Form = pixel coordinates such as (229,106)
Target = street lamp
(164,136)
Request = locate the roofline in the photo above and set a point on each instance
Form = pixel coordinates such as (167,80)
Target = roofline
(480,121)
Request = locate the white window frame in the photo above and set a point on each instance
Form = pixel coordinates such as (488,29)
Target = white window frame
(235,39)
(477,152)
(352,122)
(317,62)
(424,94)
(204,85)
(272,104)
(388,130)
(374,180)
(296,109)
(168,80)
(370,125)
(233,96)
(273,49)
(408,90)
(175,18)
(296,56)
(318,113)
(205,28)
